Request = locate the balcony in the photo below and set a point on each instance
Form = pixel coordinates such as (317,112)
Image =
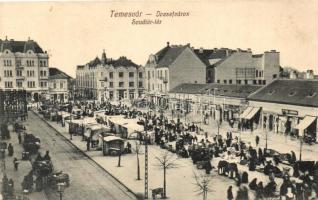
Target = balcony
(44,78)
(20,77)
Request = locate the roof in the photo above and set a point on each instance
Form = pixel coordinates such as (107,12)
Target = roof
(55,73)
(20,46)
(166,56)
(213,56)
(238,91)
(188,88)
(295,92)
(112,138)
(122,61)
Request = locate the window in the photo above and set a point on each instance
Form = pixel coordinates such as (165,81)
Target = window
(238,81)
(18,63)
(61,85)
(153,86)
(245,82)
(111,84)
(148,74)
(19,84)
(131,74)
(140,74)
(121,84)
(218,81)
(111,75)
(264,82)
(153,74)
(140,84)
(31,84)
(256,73)
(254,82)
(274,76)
(8,84)
(7,73)
(260,82)
(230,81)
(54,85)
(225,81)
(131,84)
(121,74)
(7,63)
(19,72)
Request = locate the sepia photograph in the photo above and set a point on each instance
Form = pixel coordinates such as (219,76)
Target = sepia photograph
(140,99)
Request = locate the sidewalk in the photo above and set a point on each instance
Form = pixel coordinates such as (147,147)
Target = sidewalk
(277,141)
(180,181)
(23,168)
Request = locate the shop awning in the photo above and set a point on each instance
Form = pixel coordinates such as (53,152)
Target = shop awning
(252,113)
(246,111)
(307,121)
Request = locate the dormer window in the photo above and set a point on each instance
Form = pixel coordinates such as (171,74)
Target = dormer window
(311,94)
(271,92)
(292,93)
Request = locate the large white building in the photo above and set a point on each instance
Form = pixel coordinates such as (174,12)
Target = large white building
(24,65)
(105,78)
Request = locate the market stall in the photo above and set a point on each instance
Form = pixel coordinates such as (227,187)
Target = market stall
(112,145)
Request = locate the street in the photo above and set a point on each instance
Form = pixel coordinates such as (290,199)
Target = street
(88,180)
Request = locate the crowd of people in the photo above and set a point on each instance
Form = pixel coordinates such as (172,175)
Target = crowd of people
(229,151)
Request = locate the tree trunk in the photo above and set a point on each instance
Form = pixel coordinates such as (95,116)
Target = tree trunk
(164,183)
(119,159)
(138,168)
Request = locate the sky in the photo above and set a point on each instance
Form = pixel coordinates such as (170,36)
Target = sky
(73,33)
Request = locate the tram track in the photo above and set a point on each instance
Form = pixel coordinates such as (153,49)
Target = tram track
(64,152)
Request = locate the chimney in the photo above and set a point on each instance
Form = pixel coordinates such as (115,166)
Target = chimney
(201,50)
(29,39)
(188,44)
(273,51)
(168,44)
(6,38)
(249,50)
(309,74)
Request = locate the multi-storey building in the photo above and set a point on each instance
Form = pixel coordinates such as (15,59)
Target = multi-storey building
(59,85)
(24,65)
(171,66)
(111,79)
(228,66)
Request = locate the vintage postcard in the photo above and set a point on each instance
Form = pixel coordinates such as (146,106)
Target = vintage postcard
(179,100)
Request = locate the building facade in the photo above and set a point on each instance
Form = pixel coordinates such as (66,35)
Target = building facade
(241,67)
(172,66)
(24,65)
(221,102)
(60,89)
(105,78)
(288,107)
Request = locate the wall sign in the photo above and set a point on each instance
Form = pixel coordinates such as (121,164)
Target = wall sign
(289,112)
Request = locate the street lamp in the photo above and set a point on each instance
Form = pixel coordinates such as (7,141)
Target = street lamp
(60,189)
(301,146)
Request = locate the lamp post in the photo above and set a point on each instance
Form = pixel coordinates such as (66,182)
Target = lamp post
(301,141)
(60,189)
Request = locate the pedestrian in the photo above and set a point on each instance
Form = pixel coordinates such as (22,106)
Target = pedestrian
(47,156)
(10,150)
(11,186)
(88,142)
(19,137)
(257,140)
(16,164)
(230,193)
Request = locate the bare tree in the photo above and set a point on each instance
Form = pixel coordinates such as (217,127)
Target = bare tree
(202,182)
(138,151)
(166,161)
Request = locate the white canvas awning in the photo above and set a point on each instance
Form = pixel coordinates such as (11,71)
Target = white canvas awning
(246,111)
(251,114)
(307,121)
